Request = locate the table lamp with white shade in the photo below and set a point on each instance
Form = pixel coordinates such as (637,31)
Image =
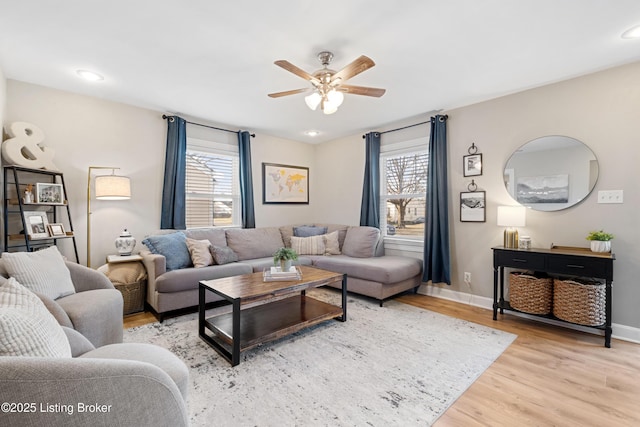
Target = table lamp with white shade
(511,217)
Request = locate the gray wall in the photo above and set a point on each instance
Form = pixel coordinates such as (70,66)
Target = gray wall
(86,131)
(600,109)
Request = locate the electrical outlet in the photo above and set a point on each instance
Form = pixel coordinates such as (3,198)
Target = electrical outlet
(467,277)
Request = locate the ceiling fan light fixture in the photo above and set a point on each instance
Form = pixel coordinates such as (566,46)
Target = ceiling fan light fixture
(328,85)
(313,100)
(336,98)
(329,107)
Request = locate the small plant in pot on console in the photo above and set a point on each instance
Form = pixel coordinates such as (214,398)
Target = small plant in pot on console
(284,257)
(600,241)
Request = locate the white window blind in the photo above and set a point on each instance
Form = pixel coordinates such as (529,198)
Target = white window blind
(212,184)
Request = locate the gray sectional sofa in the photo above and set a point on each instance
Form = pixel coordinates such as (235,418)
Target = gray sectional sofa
(173,286)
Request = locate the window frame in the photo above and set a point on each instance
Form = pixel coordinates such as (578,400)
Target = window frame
(221,149)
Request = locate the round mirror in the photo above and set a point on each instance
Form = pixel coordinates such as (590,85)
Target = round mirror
(551,173)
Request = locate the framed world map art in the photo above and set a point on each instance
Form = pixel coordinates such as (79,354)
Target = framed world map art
(285,184)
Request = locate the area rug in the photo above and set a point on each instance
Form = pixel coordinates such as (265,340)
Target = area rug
(392,365)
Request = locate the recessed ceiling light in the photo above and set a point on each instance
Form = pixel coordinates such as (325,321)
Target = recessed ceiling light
(89,75)
(632,33)
(312,133)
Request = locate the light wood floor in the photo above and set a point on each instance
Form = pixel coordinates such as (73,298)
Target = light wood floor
(549,376)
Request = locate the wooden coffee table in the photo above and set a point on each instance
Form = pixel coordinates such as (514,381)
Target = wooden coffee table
(285,309)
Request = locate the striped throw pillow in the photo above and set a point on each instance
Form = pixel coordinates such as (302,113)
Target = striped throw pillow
(313,245)
(43,271)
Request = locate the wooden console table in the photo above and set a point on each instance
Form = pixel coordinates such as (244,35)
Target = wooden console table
(561,260)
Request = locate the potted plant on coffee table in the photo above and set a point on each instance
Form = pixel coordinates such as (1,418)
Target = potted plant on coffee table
(600,241)
(284,257)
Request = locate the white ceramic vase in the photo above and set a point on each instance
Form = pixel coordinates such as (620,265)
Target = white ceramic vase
(125,243)
(600,246)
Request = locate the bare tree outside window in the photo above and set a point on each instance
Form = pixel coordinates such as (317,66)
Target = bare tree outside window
(406,185)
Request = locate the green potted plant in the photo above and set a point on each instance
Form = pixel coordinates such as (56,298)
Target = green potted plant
(600,241)
(284,257)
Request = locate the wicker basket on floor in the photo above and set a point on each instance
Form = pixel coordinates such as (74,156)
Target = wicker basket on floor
(133,295)
(130,278)
(581,302)
(530,294)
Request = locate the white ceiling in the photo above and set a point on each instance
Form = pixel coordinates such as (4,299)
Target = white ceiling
(213,60)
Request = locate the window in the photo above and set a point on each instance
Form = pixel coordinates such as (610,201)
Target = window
(403,187)
(212,184)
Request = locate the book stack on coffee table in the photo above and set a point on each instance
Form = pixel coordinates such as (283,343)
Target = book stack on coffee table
(273,274)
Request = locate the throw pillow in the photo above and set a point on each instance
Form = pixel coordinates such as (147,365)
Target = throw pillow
(173,247)
(361,242)
(308,231)
(331,243)
(200,254)
(253,243)
(313,245)
(223,254)
(26,326)
(42,271)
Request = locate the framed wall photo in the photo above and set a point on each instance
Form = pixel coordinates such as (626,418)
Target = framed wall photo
(56,230)
(49,193)
(285,184)
(472,206)
(36,224)
(472,165)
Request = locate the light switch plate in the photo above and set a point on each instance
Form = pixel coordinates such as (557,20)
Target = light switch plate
(610,196)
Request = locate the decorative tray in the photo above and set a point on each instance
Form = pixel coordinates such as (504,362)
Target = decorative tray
(275,274)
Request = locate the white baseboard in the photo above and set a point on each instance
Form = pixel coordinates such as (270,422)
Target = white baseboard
(621,332)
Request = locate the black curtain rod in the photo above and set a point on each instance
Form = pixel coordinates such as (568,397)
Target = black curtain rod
(406,127)
(164,116)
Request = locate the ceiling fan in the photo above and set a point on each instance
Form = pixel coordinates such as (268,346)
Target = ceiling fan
(328,85)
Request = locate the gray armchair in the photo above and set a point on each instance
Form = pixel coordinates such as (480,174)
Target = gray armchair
(126,384)
(95,310)
(105,382)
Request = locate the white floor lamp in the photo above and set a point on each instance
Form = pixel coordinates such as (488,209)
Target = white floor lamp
(108,187)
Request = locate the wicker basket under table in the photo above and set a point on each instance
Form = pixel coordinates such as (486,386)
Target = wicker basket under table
(581,302)
(130,278)
(530,294)
(133,294)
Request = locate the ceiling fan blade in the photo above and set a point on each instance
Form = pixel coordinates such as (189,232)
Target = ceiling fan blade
(356,67)
(295,70)
(288,92)
(361,90)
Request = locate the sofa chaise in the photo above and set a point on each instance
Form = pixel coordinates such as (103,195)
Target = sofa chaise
(358,252)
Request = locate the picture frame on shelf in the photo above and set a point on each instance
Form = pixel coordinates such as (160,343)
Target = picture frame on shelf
(57,230)
(473,206)
(36,224)
(49,193)
(285,184)
(472,165)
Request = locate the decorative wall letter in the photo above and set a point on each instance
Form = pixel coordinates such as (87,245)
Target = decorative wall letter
(24,149)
